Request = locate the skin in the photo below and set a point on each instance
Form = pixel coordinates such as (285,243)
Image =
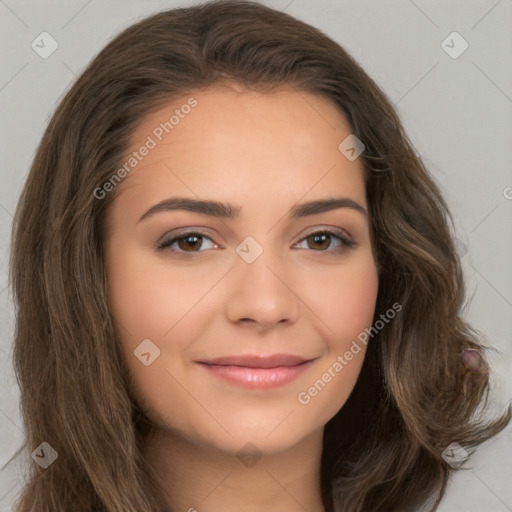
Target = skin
(265,153)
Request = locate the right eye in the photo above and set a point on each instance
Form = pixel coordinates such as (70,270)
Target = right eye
(186,240)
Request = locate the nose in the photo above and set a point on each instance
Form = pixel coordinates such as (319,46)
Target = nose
(262,293)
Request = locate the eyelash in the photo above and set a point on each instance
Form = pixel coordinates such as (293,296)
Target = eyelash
(346,242)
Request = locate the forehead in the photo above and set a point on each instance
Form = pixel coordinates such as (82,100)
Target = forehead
(222,114)
(240,145)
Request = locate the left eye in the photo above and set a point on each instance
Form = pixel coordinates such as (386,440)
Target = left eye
(319,237)
(190,241)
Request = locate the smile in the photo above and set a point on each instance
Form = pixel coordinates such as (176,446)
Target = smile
(257,378)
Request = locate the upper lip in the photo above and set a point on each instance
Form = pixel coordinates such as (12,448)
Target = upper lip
(257,360)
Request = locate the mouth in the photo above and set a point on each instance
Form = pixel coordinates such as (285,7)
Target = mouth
(257,371)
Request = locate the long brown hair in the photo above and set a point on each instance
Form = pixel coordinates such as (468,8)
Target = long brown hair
(414,396)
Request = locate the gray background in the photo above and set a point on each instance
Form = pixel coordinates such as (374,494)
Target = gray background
(457,112)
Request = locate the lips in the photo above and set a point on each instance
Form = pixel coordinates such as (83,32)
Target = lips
(255,371)
(257,360)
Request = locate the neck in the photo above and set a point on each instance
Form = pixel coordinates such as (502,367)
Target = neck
(204,479)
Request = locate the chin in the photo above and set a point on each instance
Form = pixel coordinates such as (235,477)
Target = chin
(267,437)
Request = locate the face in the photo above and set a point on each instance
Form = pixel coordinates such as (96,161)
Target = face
(229,323)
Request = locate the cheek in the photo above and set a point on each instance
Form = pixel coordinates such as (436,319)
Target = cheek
(148,300)
(343,312)
(145,307)
(152,301)
(356,302)
(344,303)
(348,308)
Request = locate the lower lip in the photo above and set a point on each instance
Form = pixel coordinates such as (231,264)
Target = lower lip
(257,378)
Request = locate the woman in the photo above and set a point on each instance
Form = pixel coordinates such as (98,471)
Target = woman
(237,283)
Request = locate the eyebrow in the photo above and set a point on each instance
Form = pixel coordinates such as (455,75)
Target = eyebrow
(229,211)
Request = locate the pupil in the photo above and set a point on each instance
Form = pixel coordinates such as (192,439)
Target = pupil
(319,238)
(187,239)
